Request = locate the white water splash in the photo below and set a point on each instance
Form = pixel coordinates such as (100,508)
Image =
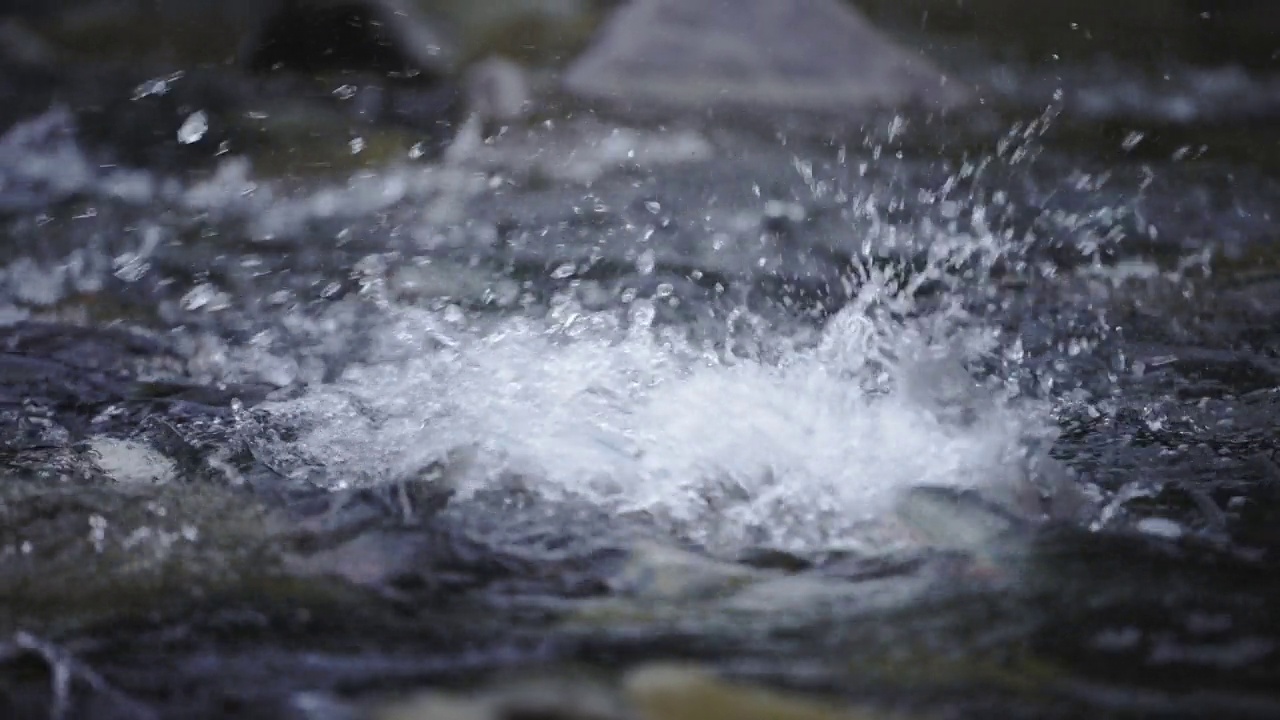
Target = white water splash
(801,450)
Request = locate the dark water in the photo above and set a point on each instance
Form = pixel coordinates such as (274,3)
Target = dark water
(281,446)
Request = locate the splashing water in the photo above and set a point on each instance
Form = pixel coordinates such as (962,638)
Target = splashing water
(799,444)
(787,439)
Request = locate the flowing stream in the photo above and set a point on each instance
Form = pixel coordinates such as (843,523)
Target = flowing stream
(971,417)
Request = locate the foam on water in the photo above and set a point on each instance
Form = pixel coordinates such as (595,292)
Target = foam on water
(800,445)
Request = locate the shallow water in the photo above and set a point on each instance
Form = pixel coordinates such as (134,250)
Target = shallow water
(598,392)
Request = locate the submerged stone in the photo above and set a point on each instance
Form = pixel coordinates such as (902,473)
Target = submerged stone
(79,553)
(813,593)
(654,691)
(956,519)
(665,691)
(661,572)
(552,698)
(808,55)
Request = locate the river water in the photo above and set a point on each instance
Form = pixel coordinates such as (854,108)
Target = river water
(950,417)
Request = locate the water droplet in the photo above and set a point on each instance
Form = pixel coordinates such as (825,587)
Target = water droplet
(1160,527)
(646,262)
(896,127)
(97,532)
(193,128)
(205,297)
(130,268)
(156,86)
(1131,140)
(642,314)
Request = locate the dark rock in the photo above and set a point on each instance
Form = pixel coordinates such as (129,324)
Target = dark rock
(94,380)
(386,37)
(138,77)
(1209,32)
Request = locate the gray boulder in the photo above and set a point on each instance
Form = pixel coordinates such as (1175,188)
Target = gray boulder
(805,55)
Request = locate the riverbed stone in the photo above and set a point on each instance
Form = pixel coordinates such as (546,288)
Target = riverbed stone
(658,690)
(656,571)
(817,55)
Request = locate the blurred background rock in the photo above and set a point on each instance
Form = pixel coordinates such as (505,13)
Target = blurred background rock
(404,63)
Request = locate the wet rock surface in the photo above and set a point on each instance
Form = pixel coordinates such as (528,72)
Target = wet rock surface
(64,383)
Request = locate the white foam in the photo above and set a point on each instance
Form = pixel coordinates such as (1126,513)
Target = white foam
(800,450)
(132,463)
